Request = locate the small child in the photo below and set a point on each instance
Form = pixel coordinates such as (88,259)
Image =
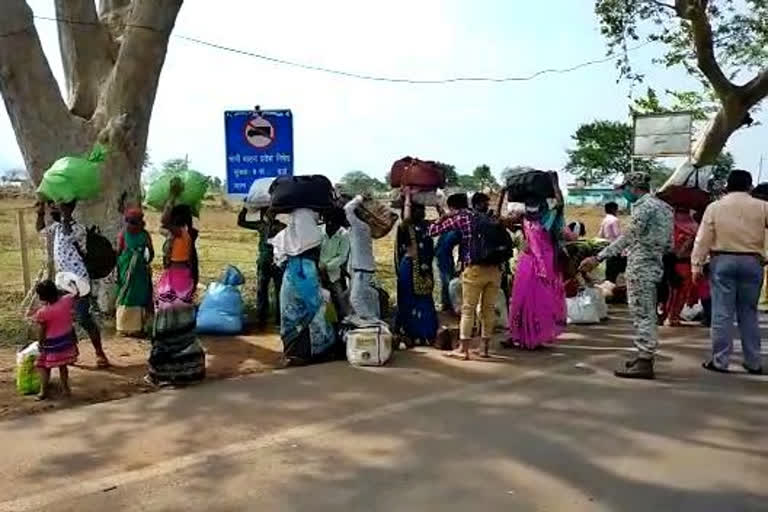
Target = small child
(58,347)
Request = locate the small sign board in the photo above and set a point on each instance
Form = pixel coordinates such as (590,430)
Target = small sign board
(660,135)
(259,144)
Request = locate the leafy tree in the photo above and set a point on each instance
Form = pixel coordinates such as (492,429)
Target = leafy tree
(451,176)
(467,182)
(216,185)
(604,151)
(723,43)
(484,178)
(112,57)
(358,182)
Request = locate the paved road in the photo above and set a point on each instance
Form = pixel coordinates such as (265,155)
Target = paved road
(544,431)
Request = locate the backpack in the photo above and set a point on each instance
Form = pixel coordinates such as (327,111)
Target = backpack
(491,243)
(100,257)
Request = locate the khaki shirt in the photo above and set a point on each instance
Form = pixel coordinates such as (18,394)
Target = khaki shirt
(734,224)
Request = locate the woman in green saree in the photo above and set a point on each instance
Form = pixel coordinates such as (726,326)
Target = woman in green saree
(134,275)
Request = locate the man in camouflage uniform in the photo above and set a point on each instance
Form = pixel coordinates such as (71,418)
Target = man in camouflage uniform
(647,239)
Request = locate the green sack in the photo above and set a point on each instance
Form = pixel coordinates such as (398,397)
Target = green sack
(195,185)
(73,177)
(27,378)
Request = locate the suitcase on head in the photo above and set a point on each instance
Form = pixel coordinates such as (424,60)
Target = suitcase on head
(416,173)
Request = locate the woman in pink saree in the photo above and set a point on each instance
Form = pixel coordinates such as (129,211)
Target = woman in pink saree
(537,311)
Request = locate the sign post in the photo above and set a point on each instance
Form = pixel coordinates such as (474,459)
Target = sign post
(259,144)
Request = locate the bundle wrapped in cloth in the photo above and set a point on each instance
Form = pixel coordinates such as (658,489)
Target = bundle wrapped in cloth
(73,178)
(378,216)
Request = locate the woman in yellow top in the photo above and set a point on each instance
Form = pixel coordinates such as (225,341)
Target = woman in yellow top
(177,356)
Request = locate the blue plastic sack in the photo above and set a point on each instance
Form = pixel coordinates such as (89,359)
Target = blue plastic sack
(221,311)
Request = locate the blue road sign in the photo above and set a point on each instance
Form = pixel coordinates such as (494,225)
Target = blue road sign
(259,145)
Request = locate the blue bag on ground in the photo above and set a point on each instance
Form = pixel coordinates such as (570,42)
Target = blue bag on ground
(221,311)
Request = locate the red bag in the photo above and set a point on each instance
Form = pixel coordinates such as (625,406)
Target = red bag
(679,196)
(416,173)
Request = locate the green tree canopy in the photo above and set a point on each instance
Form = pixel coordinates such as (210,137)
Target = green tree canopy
(358,182)
(604,151)
(484,178)
(722,43)
(467,182)
(451,176)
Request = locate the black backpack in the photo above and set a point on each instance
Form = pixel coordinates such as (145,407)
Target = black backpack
(100,257)
(491,243)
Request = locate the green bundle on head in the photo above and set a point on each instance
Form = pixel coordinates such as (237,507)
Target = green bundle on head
(74,178)
(194,187)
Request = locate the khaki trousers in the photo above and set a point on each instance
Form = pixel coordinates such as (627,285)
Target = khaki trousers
(480,284)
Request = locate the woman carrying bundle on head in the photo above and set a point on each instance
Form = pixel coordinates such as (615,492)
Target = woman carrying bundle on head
(134,275)
(414,251)
(537,311)
(176,356)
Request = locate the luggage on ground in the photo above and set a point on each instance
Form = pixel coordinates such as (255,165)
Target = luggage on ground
(258,195)
(74,178)
(532,185)
(585,308)
(27,378)
(194,187)
(491,243)
(289,193)
(416,173)
(221,311)
(368,343)
(378,216)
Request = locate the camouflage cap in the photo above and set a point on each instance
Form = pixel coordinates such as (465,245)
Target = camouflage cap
(638,179)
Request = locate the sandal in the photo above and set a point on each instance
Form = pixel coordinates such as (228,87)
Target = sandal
(102,363)
(710,365)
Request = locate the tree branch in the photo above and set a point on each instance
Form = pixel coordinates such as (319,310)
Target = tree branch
(113,14)
(86,53)
(126,104)
(756,89)
(696,13)
(40,119)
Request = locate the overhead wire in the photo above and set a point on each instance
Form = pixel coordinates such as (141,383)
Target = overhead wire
(366,76)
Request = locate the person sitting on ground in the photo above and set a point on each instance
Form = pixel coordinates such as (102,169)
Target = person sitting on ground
(732,235)
(58,346)
(610,229)
(266,269)
(69,249)
(578,229)
(362,266)
(334,254)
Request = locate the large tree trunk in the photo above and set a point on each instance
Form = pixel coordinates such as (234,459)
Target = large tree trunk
(112,68)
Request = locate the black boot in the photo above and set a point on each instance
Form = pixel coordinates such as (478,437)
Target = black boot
(636,369)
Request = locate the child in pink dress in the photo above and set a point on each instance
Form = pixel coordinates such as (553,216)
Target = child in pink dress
(58,349)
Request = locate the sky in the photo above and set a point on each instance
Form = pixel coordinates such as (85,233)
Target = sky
(343,124)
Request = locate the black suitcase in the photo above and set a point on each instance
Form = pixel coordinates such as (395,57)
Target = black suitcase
(288,193)
(532,185)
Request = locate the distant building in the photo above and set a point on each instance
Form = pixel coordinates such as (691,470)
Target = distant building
(598,195)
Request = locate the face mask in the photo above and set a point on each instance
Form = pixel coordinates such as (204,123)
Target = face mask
(629,196)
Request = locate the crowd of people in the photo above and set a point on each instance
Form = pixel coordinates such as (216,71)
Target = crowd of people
(324,270)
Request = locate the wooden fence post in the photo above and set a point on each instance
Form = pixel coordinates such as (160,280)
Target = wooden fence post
(24,250)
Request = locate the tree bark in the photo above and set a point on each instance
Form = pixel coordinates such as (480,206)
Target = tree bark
(112,69)
(86,53)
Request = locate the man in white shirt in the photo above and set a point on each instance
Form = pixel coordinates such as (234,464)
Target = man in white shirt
(610,229)
(334,254)
(362,266)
